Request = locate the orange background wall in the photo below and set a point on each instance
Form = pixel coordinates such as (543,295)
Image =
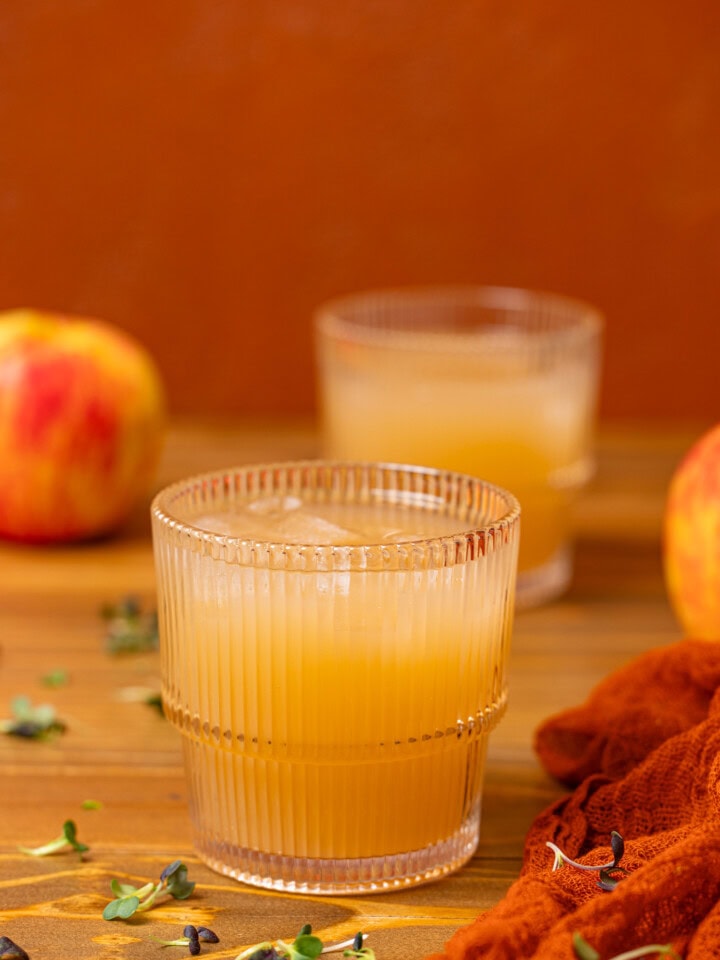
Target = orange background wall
(204,172)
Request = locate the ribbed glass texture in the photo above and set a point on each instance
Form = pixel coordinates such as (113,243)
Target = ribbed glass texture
(334,700)
(495,382)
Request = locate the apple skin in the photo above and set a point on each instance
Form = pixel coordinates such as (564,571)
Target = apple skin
(691,546)
(81,425)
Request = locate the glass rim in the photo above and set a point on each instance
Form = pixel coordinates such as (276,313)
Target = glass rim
(443,550)
(340,317)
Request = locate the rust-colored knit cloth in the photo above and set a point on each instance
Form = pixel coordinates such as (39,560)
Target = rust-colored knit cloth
(645,751)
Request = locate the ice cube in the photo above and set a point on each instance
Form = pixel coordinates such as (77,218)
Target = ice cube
(282,520)
(274,505)
(303,526)
(224,524)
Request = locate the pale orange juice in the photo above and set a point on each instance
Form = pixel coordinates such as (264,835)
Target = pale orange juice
(496,386)
(335,663)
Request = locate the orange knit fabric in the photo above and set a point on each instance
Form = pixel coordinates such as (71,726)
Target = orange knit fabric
(645,751)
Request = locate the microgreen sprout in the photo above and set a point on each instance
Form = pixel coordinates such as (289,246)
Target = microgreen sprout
(56,678)
(129,629)
(36,723)
(146,695)
(358,950)
(191,938)
(11,951)
(583,951)
(192,943)
(92,805)
(129,899)
(305,946)
(66,841)
(607,872)
(154,700)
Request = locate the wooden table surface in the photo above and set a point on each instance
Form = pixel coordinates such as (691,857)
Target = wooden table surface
(124,754)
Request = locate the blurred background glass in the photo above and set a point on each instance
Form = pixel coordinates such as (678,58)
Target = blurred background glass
(491,381)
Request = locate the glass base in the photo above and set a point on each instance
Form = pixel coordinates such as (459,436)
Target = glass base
(349,876)
(547,582)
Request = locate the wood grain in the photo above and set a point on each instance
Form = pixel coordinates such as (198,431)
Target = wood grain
(125,755)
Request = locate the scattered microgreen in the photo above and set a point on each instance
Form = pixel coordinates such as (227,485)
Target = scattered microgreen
(91,805)
(56,678)
(129,629)
(609,874)
(11,951)
(35,723)
(192,938)
(66,841)
(146,695)
(583,951)
(155,701)
(358,950)
(305,946)
(129,899)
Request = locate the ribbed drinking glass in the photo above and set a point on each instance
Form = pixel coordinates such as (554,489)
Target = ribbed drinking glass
(334,640)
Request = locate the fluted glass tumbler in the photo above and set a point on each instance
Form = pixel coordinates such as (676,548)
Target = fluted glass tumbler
(334,640)
(499,383)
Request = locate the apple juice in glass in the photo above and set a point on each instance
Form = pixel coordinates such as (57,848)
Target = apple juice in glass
(493,382)
(334,641)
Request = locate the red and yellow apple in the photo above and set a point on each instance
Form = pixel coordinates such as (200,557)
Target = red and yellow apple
(81,423)
(691,545)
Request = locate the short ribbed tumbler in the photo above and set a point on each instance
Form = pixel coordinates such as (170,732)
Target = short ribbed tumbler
(334,641)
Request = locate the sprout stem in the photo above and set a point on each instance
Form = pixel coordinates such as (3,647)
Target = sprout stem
(561,858)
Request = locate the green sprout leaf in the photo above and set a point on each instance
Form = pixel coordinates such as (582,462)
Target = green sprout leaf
(36,723)
(128,628)
(56,678)
(176,882)
(66,840)
(70,834)
(305,947)
(130,899)
(121,909)
(154,700)
(92,805)
(127,889)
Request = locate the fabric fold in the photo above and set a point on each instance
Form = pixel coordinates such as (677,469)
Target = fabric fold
(661,792)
